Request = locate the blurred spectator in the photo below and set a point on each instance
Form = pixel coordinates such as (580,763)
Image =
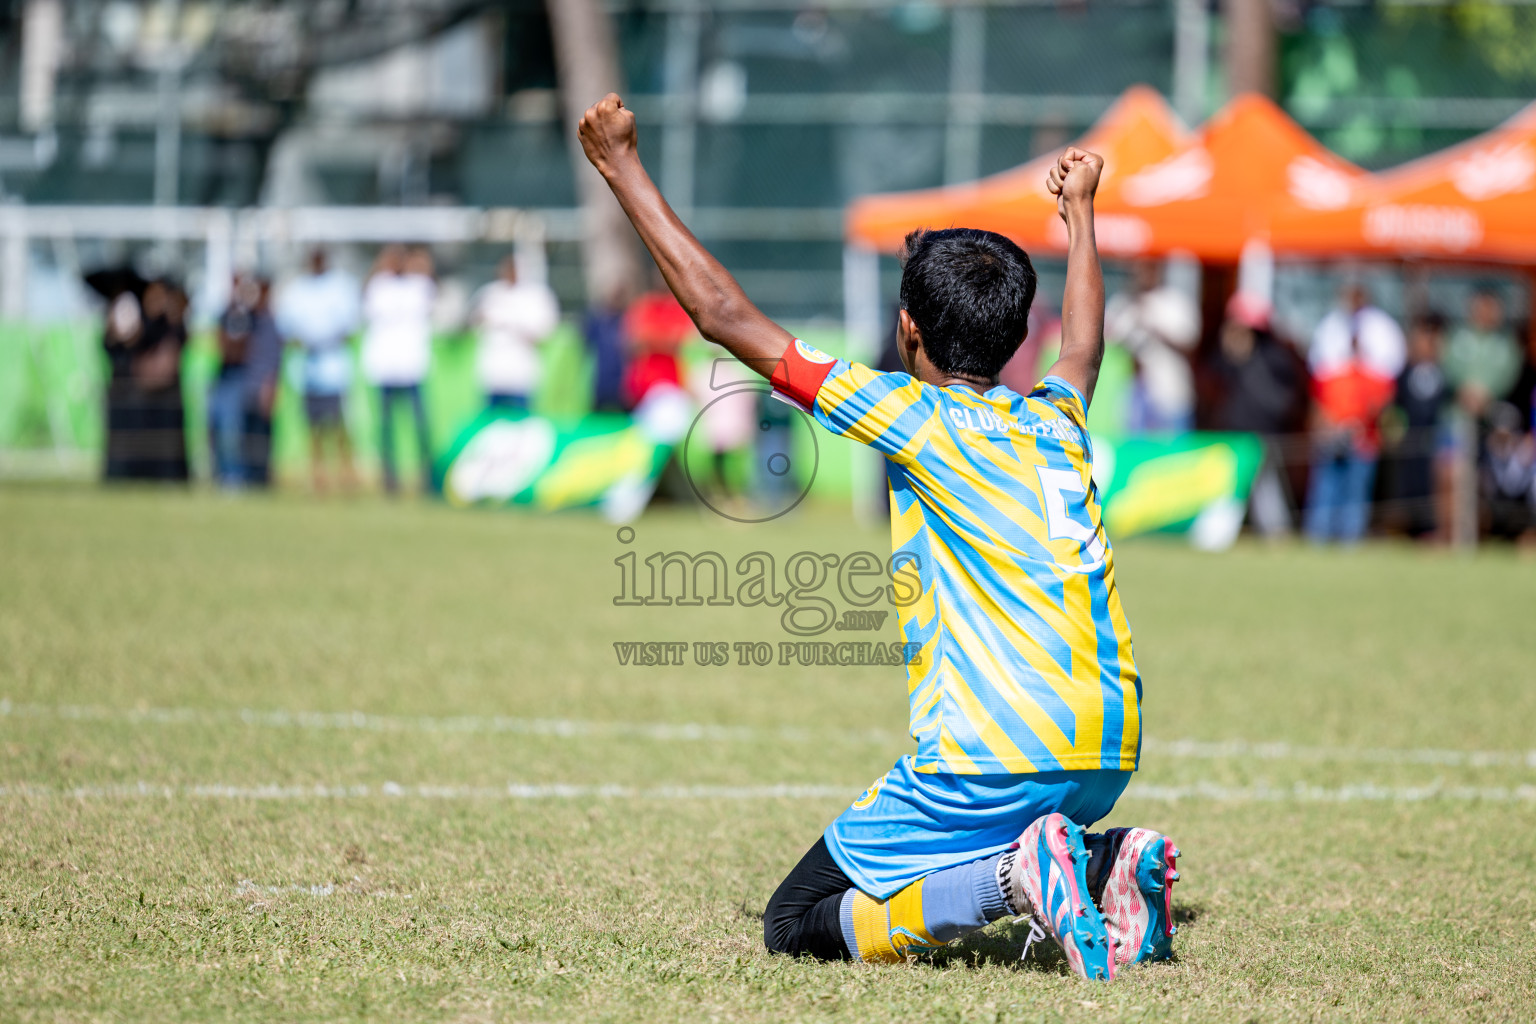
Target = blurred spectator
(1261,388)
(397,349)
(146,416)
(266,369)
(1481,363)
(656,326)
(240,400)
(1523,395)
(1356,355)
(776,483)
(121,331)
(1482,359)
(728,413)
(1159,325)
(1422,396)
(1509,478)
(318,311)
(515,318)
(1261,382)
(603,330)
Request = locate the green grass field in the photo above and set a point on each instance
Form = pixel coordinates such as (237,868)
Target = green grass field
(195,825)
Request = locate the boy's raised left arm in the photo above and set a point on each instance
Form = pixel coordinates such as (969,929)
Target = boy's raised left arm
(1073,181)
(709,293)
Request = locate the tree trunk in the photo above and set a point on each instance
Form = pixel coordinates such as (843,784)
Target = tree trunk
(1250,47)
(586,57)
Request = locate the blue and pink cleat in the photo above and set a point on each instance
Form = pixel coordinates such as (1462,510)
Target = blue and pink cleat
(1048,879)
(1137,894)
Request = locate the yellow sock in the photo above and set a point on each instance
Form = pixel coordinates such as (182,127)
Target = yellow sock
(886,930)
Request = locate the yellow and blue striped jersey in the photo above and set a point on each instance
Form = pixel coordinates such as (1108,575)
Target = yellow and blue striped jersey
(1025,661)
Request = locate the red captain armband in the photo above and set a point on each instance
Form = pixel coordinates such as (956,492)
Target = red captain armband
(800,372)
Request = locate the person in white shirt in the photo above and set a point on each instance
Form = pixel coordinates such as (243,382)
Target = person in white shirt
(1159,325)
(515,318)
(318,312)
(1357,331)
(1356,355)
(397,348)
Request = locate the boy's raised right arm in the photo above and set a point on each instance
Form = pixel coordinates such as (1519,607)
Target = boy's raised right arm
(706,289)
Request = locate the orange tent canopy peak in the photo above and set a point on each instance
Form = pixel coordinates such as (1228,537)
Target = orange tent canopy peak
(1137,130)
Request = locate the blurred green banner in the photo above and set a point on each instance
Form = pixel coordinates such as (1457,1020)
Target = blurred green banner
(1196,483)
(515,458)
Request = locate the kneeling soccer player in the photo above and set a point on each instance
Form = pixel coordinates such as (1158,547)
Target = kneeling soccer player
(1025,699)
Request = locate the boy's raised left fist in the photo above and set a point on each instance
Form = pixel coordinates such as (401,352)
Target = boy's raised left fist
(1074,178)
(607,133)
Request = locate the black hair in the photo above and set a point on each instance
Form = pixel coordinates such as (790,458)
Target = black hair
(969,292)
(1432,321)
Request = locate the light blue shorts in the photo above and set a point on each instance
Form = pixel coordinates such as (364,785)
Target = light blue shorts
(910,824)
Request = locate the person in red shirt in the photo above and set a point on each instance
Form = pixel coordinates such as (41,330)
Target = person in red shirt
(1357,353)
(656,325)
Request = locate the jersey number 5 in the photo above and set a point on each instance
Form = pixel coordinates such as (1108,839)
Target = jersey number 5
(1055,486)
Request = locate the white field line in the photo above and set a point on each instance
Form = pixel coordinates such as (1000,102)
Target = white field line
(249,890)
(359,721)
(1301,792)
(1365,792)
(396,791)
(1221,750)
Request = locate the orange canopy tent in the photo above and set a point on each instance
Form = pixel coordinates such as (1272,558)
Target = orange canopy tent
(1472,201)
(1137,131)
(1207,195)
(1220,190)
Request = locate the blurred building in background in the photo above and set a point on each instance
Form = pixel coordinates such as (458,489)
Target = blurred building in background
(180,143)
(764,117)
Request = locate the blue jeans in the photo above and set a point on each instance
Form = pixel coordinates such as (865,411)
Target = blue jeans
(506,400)
(1143,418)
(227,402)
(390,395)
(777,482)
(1339,495)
